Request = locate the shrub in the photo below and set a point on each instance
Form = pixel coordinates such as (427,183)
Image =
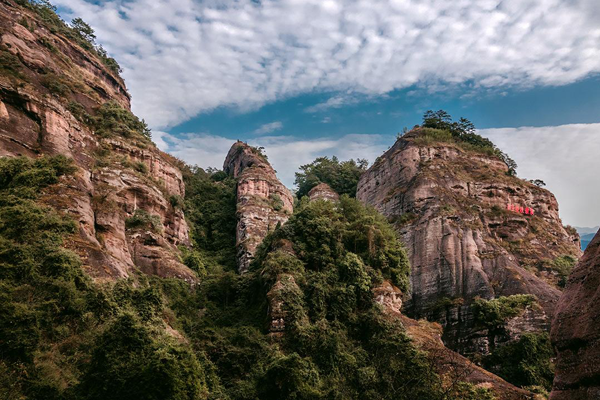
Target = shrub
(276,202)
(112,119)
(140,167)
(10,64)
(563,265)
(526,362)
(130,362)
(56,85)
(176,202)
(141,219)
(495,312)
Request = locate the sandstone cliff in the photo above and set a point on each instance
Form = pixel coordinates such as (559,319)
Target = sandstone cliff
(449,206)
(451,365)
(51,90)
(262,200)
(323,192)
(576,331)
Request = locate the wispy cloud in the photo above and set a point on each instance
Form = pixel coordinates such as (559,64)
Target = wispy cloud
(286,153)
(565,157)
(184,57)
(268,128)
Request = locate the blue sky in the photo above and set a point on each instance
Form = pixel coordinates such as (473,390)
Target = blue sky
(306,78)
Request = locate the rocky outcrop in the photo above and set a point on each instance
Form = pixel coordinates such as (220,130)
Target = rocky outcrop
(263,201)
(49,92)
(453,367)
(323,192)
(450,207)
(576,331)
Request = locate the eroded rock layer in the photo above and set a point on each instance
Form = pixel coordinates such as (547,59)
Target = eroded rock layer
(262,200)
(450,207)
(49,94)
(576,331)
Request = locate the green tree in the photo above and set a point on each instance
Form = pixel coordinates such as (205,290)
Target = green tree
(342,176)
(81,28)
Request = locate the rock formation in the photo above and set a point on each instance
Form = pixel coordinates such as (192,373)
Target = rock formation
(450,207)
(323,192)
(262,200)
(50,90)
(451,365)
(576,331)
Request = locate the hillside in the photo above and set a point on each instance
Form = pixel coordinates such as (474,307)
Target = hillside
(488,273)
(576,333)
(127,274)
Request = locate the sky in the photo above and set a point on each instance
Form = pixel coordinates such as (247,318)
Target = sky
(308,78)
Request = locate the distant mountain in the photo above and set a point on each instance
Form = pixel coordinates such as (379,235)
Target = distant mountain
(586,234)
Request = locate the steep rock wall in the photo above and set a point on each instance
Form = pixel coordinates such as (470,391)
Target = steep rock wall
(449,206)
(50,82)
(262,200)
(576,331)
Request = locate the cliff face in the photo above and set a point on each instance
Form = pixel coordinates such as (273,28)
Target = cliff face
(451,365)
(50,90)
(323,192)
(576,331)
(450,207)
(262,200)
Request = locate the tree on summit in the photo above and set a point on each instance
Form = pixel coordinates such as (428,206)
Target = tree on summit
(464,131)
(342,176)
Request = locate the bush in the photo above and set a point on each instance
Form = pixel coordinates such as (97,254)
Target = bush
(56,85)
(495,312)
(10,64)
(141,219)
(526,362)
(130,362)
(341,176)
(563,265)
(112,119)
(176,202)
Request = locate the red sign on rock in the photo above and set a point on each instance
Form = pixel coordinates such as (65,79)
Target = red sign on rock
(520,209)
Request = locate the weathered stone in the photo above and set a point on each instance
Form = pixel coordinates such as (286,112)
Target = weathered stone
(449,206)
(323,192)
(263,201)
(576,331)
(450,365)
(101,199)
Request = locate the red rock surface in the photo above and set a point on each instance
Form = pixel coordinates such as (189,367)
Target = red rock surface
(262,200)
(449,206)
(323,192)
(576,331)
(101,196)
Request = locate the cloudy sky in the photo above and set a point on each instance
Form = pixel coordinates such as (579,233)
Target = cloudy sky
(320,77)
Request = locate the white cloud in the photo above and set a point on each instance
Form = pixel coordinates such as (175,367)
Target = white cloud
(566,157)
(183,57)
(286,153)
(268,128)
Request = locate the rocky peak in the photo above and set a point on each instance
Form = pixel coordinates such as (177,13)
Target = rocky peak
(576,331)
(449,204)
(53,92)
(262,200)
(323,192)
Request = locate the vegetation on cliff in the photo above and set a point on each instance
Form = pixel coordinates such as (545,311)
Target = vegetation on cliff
(79,31)
(438,126)
(341,176)
(62,336)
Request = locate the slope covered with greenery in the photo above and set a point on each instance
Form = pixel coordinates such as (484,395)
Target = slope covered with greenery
(63,336)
